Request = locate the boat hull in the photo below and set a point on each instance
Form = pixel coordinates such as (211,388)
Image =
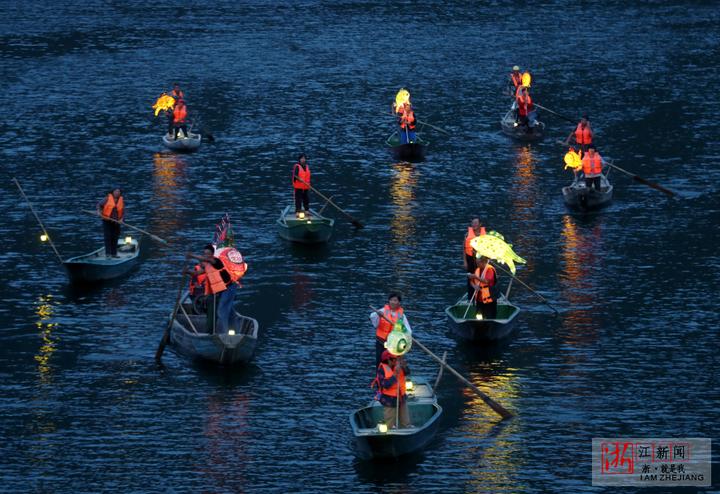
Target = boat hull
(578,197)
(521,132)
(95,267)
(413,152)
(184,145)
(315,229)
(468,327)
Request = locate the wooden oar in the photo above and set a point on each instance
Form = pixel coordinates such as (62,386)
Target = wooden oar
(49,239)
(569,119)
(643,181)
(154,237)
(434,127)
(497,407)
(166,335)
(544,300)
(355,222)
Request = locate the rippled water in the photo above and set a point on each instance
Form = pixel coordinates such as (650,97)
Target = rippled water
(633,352)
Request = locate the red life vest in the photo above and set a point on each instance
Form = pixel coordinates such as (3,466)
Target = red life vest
(233,262)
(583,135)
(516,78)
(525,104)
(303,174)
(592,167)
(197,282)
(471,235)
(180,112)
(384,328)
(110,205)
(392,391)
(177,94)
(484,293)
(215,283)
(407,119)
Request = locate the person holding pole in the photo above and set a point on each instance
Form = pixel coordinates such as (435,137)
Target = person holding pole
(475,229)
(483,281)
(112,208)
(301,186)
(406,120)
(219,288)
(384,320)
(390,381)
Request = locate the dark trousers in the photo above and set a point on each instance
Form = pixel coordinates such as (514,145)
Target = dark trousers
(488,311)
(111,233)
(593,182)
(379,349)
(302,200)
(177,128)
(470,260)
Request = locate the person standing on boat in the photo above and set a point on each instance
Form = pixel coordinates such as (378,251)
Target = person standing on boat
(592,168)
(583,134)
(525,106)
(177,92)
(406,120)
(483,281)
(390,381)
(515,80)
(474,230)
(392,311)
(112,208)
(301,185)
(179,117)
(219,288)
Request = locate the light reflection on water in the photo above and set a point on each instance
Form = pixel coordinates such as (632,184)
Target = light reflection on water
(44,311)
(402,225)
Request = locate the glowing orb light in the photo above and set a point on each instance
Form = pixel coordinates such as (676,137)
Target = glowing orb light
(382,428)
(43,238)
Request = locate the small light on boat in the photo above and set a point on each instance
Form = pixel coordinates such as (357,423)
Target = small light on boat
(301,215)
(478,316)
(409,386)
(382,428)
(128,239)
(309,221)
(43,238)
(231,332)
(515,124)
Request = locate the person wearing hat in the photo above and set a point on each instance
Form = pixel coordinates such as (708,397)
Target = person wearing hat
(112,210)
(515,80)
(582,134)
(301,185)
(390,381)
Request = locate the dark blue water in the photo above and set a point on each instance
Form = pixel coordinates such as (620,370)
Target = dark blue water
(633,352)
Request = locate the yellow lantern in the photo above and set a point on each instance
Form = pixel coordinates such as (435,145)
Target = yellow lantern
(43,238)
(399,340)
(128,240)
(402,97)
(382,428)
(526,79)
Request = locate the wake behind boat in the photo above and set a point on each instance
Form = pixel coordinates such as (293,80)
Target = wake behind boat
(96,266)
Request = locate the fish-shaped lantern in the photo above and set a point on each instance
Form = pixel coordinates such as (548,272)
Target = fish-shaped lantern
(573,160)
(399,340)
(164,102)
(493,246)
(402,97)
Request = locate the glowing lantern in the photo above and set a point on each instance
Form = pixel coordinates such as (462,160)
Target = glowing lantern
(128,240)
(231,332)
(382,428)
(43,238)
(478,316)
(399,340)
(526,79)
(164,102)
(409,386)
(402,97)
(493,246)
(301,215)
(573,160)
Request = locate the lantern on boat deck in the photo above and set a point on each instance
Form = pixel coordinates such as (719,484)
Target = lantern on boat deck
(409,386)
(128,240)
(493,246)
(399,340)
(231,332)
(301,215)
(43,237)
(402,97)
(479,316)
(526,79)
(164,102)
(382,428)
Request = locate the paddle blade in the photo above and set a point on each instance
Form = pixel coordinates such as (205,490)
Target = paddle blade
(654,185)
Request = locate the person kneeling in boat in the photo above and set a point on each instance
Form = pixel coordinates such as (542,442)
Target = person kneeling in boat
(301,186)
(112,211)
(592,169)
(383,327)
(406,120)
(483,281)
(390,381)
(179,116)
(474,230)
(219,288)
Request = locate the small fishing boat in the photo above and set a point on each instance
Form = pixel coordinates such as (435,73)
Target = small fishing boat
(469,324)
(579,197)
(185,144)
(96,266)
(310,229)
(521,132)
(189,336)
(375,439)
(412,152)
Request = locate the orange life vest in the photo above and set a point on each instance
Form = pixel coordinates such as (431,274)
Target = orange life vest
(400,381)
(484,293)
(407,119)
(197,281)
(177,94)
(592,167)
(583,135)
(214,283)
(110,205)
(516,78)
(471,235)
(179,113)
(525,104)
(233,262)
(384,328)
(303,174)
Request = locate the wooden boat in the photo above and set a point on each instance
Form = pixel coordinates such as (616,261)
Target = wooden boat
(96,266)
(413,152)
(424,415)
(311,229)
(185,144)
(578,197)
(468,326)
(521,132)
(189,336)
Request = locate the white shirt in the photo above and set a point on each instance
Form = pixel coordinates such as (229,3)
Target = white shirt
(375,319)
